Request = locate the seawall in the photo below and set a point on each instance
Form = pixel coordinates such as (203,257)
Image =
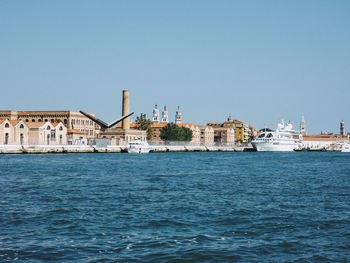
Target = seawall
(40,149)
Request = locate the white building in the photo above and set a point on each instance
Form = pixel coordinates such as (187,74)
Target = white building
(47,133)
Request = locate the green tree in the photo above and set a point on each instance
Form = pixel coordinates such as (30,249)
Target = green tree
(144,124)
(173,132)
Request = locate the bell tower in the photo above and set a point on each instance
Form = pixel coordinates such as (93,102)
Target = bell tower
(165,116)
(178,116)
(156,118)
(342,128)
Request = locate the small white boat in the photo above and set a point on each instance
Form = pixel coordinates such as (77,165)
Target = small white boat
(339,146)
(138,146)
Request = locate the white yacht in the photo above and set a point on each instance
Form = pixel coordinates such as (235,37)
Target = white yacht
(284,138)
(340,146)
(138,146)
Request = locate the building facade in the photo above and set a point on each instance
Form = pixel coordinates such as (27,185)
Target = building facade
(13,132)
(47,133)
(241,129)
(70,119)
(224,136)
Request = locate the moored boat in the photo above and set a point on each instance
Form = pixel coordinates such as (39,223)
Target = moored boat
(284,138)
(340,146)
(138,146)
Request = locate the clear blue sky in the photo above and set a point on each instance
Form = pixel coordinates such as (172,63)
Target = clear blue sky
(258,60)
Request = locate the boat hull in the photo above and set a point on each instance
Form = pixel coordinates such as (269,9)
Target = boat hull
(274,147)
(138,149)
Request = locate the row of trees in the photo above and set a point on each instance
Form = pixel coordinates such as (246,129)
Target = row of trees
(170,132)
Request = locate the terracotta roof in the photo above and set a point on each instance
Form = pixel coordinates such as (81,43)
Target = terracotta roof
(14,122)
(55,123)
(41,112)
(234,121)
(132,125)
(158,125)
(35,125)
(1,121)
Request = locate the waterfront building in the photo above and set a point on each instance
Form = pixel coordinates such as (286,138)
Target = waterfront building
(165,116)
(241,129)
(156,128)
(76,137)
(224,136)
(196,133)
(178,116)
(60,133)
(321,141)
(71,119)
(206,135)
(6,132)
(253,132)
(47,133)
(21,132)
(156,117)
(120,136)
(13,132)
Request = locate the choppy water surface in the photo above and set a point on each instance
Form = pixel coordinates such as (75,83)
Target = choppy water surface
(175,207)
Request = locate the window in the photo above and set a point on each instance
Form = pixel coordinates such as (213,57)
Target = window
(21,127)
(61,129)
(27,120)
(7,126)
(40,120)
(52,120)
(46,120)
(33,120)
(65,121)
(48,128)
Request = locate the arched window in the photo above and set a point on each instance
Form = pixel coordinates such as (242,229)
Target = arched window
(27,120)
(52,120)
(7,125)
(33,120)
(46,120)
(48,128)
(61,129)
(21,126)
(40,120)
(65,121)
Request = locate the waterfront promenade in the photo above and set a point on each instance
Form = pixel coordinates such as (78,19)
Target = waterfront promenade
(40,149)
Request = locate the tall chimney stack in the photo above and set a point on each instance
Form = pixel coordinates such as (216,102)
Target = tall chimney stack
(126,110)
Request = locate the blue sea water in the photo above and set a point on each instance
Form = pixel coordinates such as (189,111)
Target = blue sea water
(175,207)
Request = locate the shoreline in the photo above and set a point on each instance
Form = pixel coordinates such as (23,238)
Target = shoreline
(42,149)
